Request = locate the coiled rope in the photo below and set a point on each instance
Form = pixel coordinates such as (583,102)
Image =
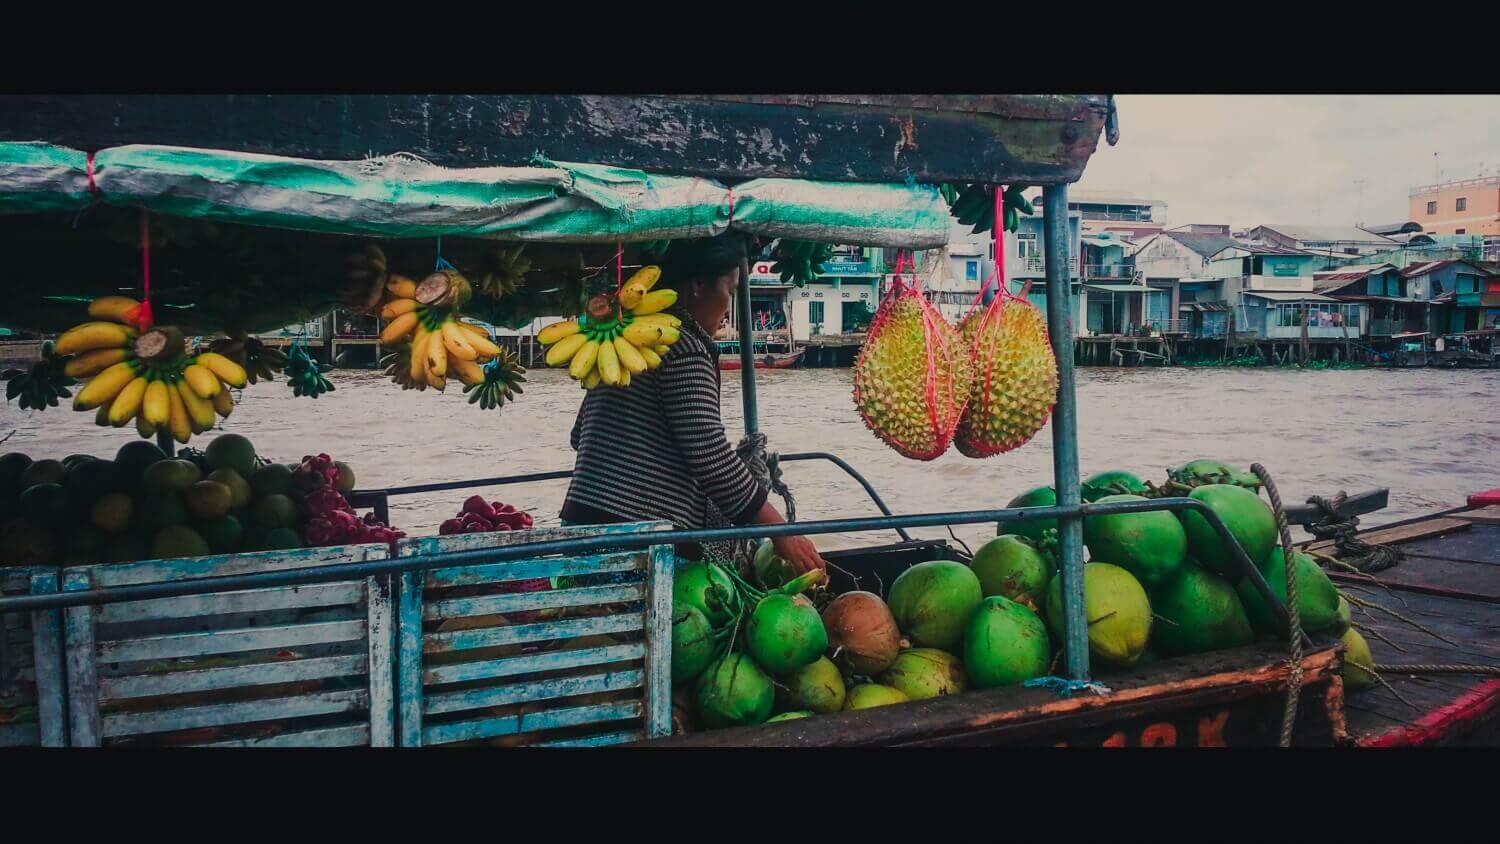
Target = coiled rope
(765,468)
(1424,668)
(1335,524)
(1294,679)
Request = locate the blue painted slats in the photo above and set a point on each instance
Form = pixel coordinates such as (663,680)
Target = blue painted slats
(356,735)
(534,569)
(659,641)
(252,600)
(548,720)
(457,640)
(600,740)
(409,659)
(492,604)
(613,681)
(380,621)
(243,712)
(553,661)
(255,674)
(230,641)
(47,665)
(187,568)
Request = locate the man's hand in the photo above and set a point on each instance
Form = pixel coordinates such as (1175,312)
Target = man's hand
(799,551)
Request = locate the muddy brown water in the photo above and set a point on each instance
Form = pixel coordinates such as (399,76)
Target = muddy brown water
(1429,435)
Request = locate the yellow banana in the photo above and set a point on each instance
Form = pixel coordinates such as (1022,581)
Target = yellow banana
(669,336)
(156,408)
(638,285)
(227,370)
(144,428)
(223,402)
(121,309)
(398,328)
(93,335)
(609,364)
(643,334)
(103,388)
(437,356)
(649,355)
(200,412)
(662,349)
(624,378)
(656,300)
(202,380)
(583,362)
(434,380)
(128,402)
(397,307)
(591,381)
(102,417)
(419,356)
(401,287)
(564,350)
(657,319)
(557,331)
(177,420)
(458,347)
(482,343)
(630,359)
(95,362)
(466,371)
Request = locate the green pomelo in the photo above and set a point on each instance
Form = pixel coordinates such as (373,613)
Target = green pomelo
(733,692)
(1198,611)
(275,511)
(232,451)
(785,633)
(12,466)
(178,541)
(871,695)
(47,503)
(88,480)
(1346,616)
(770,569)
(74,458)
(1149,545)
(271,479)
(1116,609)
(43,472)
(788,716)
(280,539)
(134,457)
(693,643)
(1317,598)
(1248,518)
(208,499)
(1113,482)
(817,687)
(112,512)
(171,476)
(223,534)
(1359,663)
(933,601)
(921,673)
(1006,643)
(1012,566)
(125,548)
(25,541)
(239,488)
(706,587)
(1042,496)
(154,511)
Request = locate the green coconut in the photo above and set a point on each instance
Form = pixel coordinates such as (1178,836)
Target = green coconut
(707,588)
(871,695)
(1198,611)
(788,716)
(1042,496)
(1012,566)
(1249,519)
(817,687)
(1359,663)
(921,673)
(933,601)
(770,568)
(1150,545)
(734,692)
(1113,482)
(694,645)
(785,633)
(1006,643)
(1202,470)
(1317,597)
(1116,609)
(1346,616)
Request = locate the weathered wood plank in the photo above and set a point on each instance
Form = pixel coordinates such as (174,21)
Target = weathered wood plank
(218,603)
(409,659)
(505,538)
(513,666)
(495,604)
(48,664)
(1473,581)
(23,734)
(882,138)
(659,641)
(529,723)
(1484,515)
(380,620)
(354,735)
(534,569)
(1399,534)
(81,666)
(241,712)
(600,740)
(230,641)
(458,640)
(223,565)
(255,674)
(612,681)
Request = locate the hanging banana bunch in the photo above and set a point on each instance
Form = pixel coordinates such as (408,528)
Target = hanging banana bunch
(305,375)
(425,337)
(800,261)
(43,383)
(365,280)
(975,206)
(260,362)
(494,383)
(506,273)
(618,336)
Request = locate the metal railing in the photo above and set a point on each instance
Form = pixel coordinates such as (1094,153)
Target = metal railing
(1109,271)
(1037,264)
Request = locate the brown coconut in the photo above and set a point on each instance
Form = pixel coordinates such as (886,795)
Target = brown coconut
(862,634)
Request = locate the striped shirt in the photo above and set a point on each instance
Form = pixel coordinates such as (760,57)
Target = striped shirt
(657,449)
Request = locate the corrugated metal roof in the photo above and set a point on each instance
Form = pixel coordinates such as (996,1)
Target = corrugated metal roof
(1426,267)
(1204,306)
(1302,233)
(1263,249)
(1388,229)
(1289,296)
(1203,244)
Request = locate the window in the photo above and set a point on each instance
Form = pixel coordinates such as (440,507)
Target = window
(1431,208)
(1460,231)
(1026,246)
(971,270)
(1461,204)
(815,313)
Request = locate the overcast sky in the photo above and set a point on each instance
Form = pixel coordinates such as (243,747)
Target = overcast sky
(1247,160)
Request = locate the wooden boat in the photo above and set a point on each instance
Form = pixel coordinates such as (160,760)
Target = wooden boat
(769,360)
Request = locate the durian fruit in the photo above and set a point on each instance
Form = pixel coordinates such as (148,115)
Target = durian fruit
(1015,378)
(891,377)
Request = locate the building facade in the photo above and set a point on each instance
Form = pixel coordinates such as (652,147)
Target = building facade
(1467,206)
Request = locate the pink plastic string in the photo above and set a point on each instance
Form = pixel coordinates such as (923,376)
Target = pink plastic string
(146,318)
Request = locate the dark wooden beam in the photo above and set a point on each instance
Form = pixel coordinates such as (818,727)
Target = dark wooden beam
(1357,504)
(1034,139)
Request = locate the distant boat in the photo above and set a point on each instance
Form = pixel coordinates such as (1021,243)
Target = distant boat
(765,360)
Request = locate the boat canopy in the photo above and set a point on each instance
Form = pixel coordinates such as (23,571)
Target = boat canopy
(403,196)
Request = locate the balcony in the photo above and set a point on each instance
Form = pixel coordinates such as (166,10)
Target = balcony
(1037,265)
(1392,327)
(1114,271)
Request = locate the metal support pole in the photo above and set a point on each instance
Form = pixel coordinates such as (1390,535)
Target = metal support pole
(165,443)
(747,351)
(1065,427)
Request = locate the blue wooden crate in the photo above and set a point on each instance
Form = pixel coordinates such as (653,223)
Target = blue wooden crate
(288,666)
(593,669)
(31,666)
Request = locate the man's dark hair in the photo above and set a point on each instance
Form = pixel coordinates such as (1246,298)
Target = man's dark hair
(688,260)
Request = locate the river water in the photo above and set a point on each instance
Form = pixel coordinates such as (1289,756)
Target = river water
(1429,435)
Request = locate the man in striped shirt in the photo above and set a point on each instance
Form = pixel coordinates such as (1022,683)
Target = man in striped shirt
(657,449)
